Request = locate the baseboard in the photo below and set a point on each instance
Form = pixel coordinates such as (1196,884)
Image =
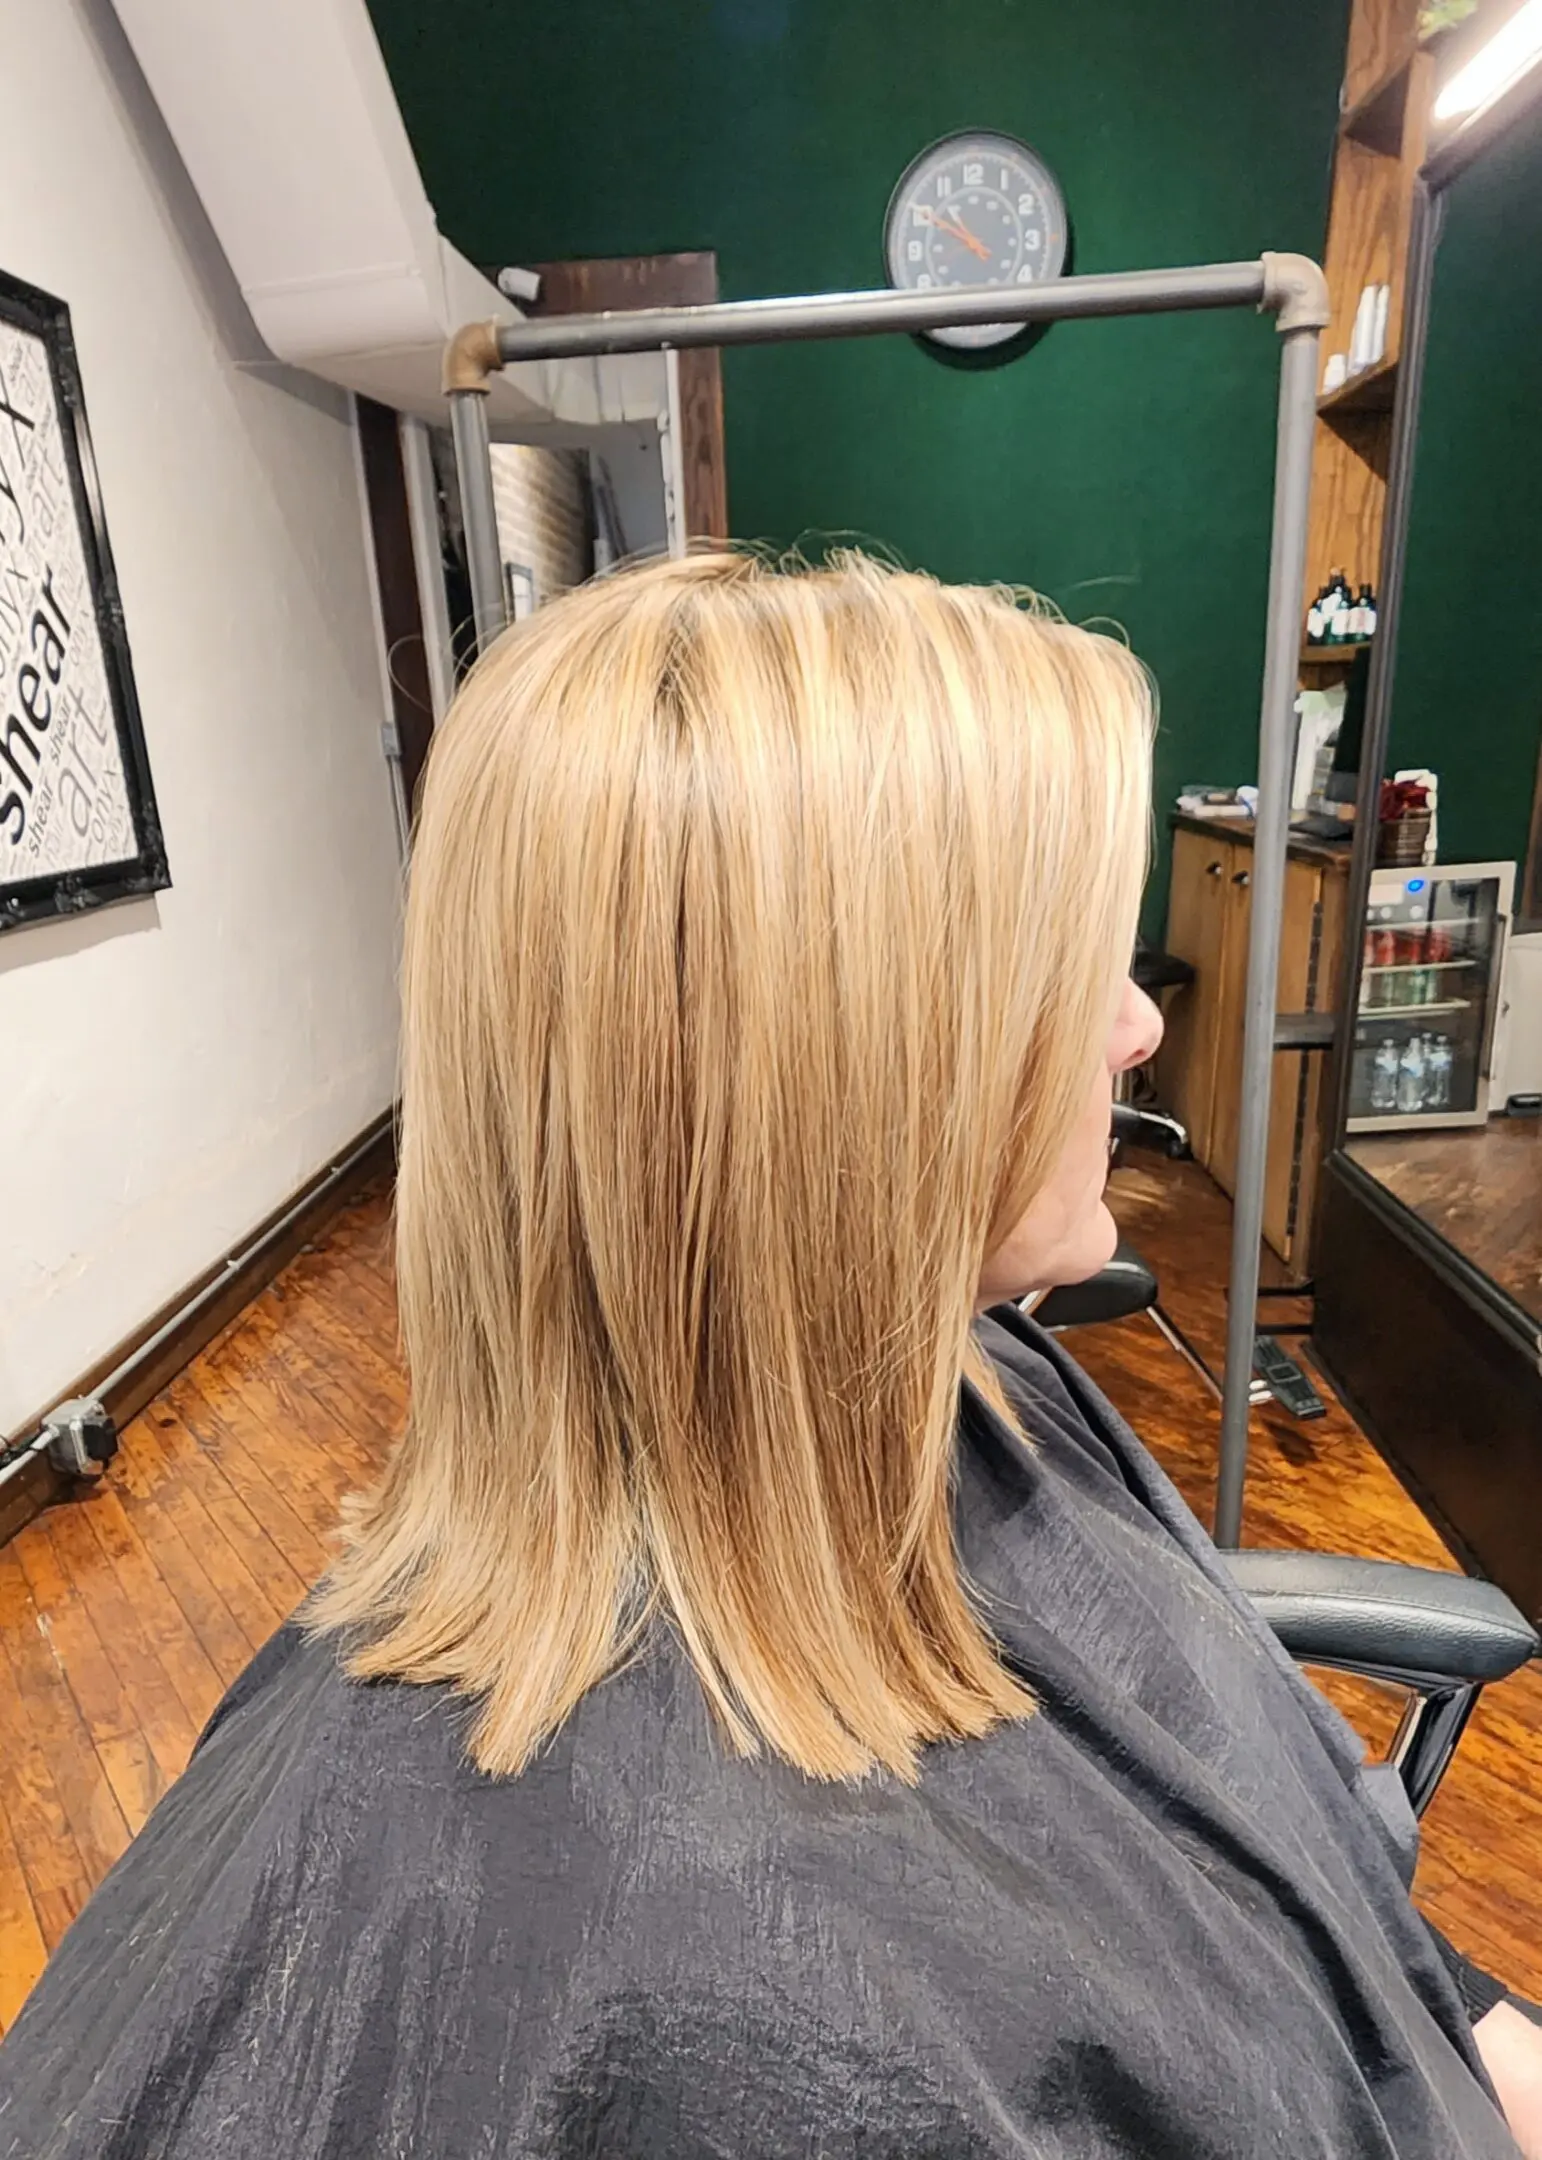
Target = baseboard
(136,1369)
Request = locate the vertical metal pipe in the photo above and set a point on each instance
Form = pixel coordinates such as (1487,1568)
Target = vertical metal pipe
(1276,743)
(484,559)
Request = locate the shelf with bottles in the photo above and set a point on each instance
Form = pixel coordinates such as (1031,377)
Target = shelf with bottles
(1327,656)
(1369,390)
(1408,958)
(1379,1013)
(1339,621)
(1417,967)
(1421,987)
(1423,1076)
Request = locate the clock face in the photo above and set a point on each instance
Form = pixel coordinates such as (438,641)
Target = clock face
(975,210)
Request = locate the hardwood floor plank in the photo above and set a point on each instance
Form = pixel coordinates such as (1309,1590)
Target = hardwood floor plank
(34,1812)
(228,1630)
(258,1403)
(23,1952)
(114,1674)
(255,1577)
(353,1363)
(256,1369)
(97,1820)
(259,1488)
(166,1625)
(330,1369)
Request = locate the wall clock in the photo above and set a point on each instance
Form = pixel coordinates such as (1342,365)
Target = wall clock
(975,209)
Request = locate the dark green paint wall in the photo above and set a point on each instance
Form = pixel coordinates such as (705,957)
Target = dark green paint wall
(1467,697)
(1122,468)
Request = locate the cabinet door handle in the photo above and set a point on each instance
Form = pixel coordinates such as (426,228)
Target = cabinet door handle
(1212,869)
(1241,877)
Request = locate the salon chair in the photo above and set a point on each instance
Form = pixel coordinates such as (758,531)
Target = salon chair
(1442,1637)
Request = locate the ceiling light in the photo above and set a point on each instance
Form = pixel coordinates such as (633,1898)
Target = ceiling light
(1513,48)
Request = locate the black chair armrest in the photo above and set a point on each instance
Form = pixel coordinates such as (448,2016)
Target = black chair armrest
(1126,1285)
(1415,1625)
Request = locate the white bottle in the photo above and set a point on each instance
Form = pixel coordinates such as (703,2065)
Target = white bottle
(1364,329)
(1437,1095)
(1379,323)
(1384,1077)
(1410,1078)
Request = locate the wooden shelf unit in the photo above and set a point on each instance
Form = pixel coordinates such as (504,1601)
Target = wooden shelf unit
(1328,656)
(1376,119)
(1379,146)
(1371,391)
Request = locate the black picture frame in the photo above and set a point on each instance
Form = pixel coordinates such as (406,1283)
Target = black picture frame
(62,891)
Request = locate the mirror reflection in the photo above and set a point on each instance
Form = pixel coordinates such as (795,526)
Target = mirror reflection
(1446,1081)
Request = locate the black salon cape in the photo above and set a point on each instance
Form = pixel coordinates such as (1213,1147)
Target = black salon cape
(1157,1919)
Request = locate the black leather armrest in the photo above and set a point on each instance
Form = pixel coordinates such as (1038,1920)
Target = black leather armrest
(1379,1616)
(1126,1285)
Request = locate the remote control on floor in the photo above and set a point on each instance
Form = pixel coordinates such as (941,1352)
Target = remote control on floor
(1286,1382)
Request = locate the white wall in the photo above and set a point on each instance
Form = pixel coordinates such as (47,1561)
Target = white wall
(174,1068)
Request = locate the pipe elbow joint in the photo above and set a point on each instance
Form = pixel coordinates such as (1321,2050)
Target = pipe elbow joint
(470,357)
(1295,293)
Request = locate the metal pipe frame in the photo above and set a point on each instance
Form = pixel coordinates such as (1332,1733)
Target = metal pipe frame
(1291,288)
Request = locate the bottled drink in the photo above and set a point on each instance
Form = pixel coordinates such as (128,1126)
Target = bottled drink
(1410,1078)
(1438,1062)
(1384,1077)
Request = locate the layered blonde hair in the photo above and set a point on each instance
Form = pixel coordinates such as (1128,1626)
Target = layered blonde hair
(765,932)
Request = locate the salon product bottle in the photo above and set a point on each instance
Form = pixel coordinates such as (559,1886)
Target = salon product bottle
(1384,1076)
(1363,331)
(1363,615)
(1316,617)
(1410,1078)
(1438,1060)
(1333,608)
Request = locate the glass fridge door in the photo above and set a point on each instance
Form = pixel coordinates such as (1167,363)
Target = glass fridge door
(1429,993)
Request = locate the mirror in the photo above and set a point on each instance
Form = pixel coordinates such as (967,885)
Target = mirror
(1448,1030)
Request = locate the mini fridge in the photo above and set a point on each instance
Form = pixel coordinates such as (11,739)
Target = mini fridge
(1429,996)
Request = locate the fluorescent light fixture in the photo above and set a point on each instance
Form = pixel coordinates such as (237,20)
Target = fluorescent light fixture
(1514,47)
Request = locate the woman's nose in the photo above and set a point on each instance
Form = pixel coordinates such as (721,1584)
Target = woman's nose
(1137,1030)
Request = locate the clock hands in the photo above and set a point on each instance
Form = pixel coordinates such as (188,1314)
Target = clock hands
(959,231)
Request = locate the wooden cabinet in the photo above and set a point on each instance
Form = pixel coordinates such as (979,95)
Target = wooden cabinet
(1200,1067)
(1196,926)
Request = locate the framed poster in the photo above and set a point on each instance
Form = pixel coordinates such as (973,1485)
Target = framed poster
(78,823)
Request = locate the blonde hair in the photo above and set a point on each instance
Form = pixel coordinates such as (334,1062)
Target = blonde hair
(764,936)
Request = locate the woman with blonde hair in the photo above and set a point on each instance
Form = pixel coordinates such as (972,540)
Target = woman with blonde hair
(771,1705)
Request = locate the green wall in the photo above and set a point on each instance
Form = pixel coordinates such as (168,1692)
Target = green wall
(1467,696)
(1122,468)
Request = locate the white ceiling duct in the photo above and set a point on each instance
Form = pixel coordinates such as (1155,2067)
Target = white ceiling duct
(285,118)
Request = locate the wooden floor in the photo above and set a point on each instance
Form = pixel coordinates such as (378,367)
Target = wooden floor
(124,1614)
(1481,1189)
